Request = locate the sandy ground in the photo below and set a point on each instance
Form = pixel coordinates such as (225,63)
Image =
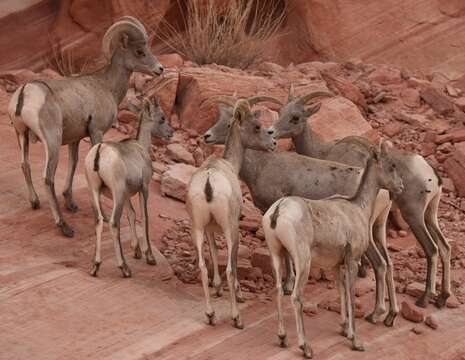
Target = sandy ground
(50,308)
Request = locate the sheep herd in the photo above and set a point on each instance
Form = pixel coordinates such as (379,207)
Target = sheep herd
(324,206)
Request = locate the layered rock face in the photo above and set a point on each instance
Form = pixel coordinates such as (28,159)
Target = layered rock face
(425,35)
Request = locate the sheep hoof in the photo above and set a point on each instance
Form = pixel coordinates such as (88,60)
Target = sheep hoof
(372,318)
(35,204)
(240,299)
(149,258)
(95,269)
(137,253)
(237,323)
(283,341)
(423,300)
(211,318)
(389,320)
(308,353)
(219,292)
(66,229)
(71,206)
(357,346)
(125,270)
(441,300)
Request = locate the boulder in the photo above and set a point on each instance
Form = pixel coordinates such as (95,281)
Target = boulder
(166,95)
(438,101)
(411,97)
(346,89)
(261,258)
(175,179)
(170,60)
(339,117)
(432,321)
(455,169)
(178,153)
(411,312)
(456,135)
(386,76)
(415,289)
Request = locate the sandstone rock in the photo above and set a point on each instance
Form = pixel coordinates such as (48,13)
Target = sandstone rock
(428,149)
(345,88)
(339,117)
(411,312)
(158,167)
(453,91)
(411,97)
(460,102)
(455,169)
(403,233)
(448,185)
(310,309)
(386,76)
(261,258)
(438,101)
(166,95)
(249,285)
(51,74)
(179,153)
(127,117)
(171,60)
(415,289)
(174,180)
(432,321)
(417,330)
(249,225)
(457,135)
(392,129)
(255,274)
(452,302)
(243,252)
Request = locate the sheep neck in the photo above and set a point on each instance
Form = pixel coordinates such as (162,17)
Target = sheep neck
(234,150)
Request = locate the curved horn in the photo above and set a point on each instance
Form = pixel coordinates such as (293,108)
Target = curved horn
(262,98)
(136,22)
(243,107)
(306,98)
(118,28)
(290,94)
(222,99)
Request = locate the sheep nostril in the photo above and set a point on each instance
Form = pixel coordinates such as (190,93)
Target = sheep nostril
(206,136)
(271,132)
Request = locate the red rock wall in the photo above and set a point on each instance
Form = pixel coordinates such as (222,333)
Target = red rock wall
(425,35)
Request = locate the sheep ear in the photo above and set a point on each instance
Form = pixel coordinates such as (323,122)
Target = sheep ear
(124,41)
(312,110)
(135,108)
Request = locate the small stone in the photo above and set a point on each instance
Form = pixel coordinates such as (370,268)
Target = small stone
(243,252)
(392,129)
(452,302)
(432,321)
(392,233)
(249,285)
(415,289)
(310,309)
(179,153)
(403,233)
(411,312)
(417,330)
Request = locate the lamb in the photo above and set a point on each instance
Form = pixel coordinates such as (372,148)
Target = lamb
(327,233)
(314,179)
(214,198)
(62,112)
(120,170)
(418,203)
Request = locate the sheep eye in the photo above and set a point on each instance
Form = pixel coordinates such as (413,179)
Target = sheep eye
(257,127)
(140,52)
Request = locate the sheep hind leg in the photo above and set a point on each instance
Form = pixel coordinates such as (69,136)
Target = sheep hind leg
(232,239)
(51,152)
(302,267)
(73,156)
(23,141)
(132,224)
(217,283)
(289,279)
(118,203)
(431,219)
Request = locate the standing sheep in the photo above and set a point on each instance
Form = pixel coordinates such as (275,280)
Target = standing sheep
(62,112)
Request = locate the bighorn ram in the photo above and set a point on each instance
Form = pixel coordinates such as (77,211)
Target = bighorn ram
(120,170)
(418,203)
(214,197)
(62,112)
(327,233)
(313,179)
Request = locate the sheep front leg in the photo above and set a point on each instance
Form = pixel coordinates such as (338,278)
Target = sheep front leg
(73,156)
(146,247)
(379,267)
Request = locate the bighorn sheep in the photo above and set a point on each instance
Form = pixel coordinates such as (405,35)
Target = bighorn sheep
(214,197)
(313,179)
(62,112)
(327,233)
(418,203)
(120,170)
